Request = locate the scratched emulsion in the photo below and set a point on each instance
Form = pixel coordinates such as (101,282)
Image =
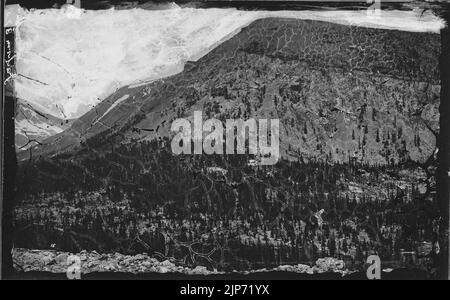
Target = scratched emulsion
(70,59)
(358,109)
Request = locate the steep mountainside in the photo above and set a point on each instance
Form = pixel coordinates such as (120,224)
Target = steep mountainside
(358,110)
(341,93)
(70,59)
(34,126)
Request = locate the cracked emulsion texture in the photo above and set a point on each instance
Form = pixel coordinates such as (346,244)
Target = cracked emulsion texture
(69,60)
(342,93)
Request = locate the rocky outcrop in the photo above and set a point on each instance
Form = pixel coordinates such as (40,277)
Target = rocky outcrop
(92,262)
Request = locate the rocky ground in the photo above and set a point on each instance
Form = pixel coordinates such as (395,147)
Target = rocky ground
(92,262)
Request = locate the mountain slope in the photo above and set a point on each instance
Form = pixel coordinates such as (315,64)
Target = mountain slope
(341,93)
(33,126)
(67,76)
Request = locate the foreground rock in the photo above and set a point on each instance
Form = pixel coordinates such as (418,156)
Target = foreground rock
(92,262)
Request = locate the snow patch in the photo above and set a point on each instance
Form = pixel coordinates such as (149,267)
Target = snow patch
(118,101)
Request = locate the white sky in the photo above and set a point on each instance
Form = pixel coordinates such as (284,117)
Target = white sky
(79,57)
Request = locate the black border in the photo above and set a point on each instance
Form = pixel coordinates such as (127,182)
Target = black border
(443,172)
(8,161)
(8,164)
